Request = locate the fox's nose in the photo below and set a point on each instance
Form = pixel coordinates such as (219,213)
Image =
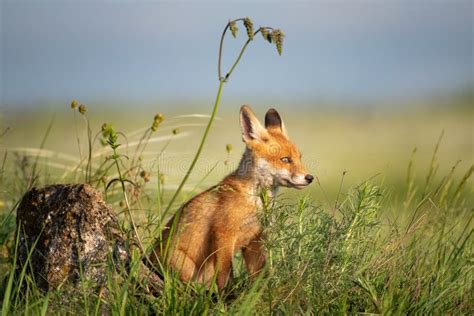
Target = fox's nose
(309,178)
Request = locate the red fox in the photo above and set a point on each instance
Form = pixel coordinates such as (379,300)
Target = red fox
(200,240)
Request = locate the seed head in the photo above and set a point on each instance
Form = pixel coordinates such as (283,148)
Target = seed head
(109,134)
(249,26)
(233,28)
(74,104)
(104,179)
(277,38)
(176,131)
(159,117)
(156,121)
(266,34)
(82,109)
(162,178)
(228,148)
(107,130)
(145,176)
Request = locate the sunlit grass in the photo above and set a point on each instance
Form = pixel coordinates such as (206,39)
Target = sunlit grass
(384,240)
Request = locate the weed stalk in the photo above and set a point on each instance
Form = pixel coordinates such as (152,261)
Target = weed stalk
(277,36)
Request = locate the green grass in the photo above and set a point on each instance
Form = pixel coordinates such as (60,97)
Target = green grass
(398,242)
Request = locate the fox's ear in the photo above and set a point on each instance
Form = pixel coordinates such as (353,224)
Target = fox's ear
(273,121)
(251,127)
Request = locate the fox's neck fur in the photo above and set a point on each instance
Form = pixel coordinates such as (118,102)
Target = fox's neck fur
(257,175)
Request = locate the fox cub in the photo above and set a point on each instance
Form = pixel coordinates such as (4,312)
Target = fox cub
(201,238)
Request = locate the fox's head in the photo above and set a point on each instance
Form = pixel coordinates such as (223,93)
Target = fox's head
(277,159)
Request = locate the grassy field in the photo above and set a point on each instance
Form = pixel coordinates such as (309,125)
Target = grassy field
(387,228)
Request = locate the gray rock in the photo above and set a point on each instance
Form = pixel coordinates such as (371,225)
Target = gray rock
(74,230)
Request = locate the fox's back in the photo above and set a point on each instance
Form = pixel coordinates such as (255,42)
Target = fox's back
(189,228)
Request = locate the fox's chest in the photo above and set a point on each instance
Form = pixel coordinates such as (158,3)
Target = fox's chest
(250,228)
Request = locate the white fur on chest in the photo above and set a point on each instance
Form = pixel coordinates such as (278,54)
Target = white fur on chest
(264,176)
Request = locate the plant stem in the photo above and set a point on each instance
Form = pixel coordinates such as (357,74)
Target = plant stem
(214,111)
(201,146)
(127,204)
(159,195)
(89,158)
(221,48)
(34,176)
(238,59)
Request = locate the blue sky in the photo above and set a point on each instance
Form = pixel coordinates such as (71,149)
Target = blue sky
(133,51)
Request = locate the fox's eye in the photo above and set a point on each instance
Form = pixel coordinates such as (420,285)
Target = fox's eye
(286,160)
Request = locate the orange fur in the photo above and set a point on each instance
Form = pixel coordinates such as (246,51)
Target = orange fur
(200,240)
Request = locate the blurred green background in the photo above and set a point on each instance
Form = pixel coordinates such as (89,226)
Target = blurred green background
(367,144)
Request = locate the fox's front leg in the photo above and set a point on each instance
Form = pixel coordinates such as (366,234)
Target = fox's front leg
(183,264)
(254,256)
(224,252)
